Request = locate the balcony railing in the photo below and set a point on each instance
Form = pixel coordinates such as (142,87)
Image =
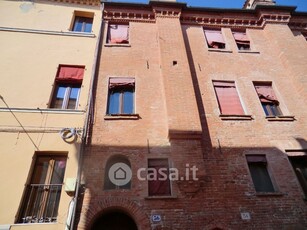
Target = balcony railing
(41,203)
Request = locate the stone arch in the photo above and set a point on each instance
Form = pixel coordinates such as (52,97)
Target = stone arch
(114,219)
(215,226)
(95,209)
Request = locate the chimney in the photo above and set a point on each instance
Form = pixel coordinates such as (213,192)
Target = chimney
(251,4)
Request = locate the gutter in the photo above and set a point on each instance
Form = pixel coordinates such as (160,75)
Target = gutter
(70,226)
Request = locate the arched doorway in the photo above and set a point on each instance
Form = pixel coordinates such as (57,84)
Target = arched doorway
(114,220)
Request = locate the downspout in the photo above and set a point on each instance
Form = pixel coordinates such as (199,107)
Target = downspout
(74,202)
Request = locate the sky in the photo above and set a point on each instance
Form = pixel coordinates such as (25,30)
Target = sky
(301,4)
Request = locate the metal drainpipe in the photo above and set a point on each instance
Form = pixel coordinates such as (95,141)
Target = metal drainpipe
(87,120)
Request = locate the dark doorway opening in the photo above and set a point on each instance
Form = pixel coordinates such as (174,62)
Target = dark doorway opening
(114,221)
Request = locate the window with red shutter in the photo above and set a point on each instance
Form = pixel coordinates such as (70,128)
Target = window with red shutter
(228,99)
(268,99)
(215,39)
(67,87)
(161,185)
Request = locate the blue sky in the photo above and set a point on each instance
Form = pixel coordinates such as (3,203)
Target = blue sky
(301,4)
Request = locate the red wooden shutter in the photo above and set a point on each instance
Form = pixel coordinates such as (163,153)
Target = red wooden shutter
(266,93)
(70,73)
(241,38)
(228,98)
(159,187)
(121,82)
(214,36)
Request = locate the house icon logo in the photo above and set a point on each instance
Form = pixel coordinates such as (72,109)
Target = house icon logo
(120,174)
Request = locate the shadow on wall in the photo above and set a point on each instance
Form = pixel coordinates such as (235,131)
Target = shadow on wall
(302,142)
(207,144)
(230,182)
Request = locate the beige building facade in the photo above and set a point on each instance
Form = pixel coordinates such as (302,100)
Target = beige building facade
(47,62)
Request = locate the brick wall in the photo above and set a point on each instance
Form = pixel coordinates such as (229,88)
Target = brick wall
(179,120)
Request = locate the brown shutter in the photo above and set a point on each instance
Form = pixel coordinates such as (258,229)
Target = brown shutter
(256,158)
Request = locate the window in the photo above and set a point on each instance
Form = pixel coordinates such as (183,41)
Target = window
(268,100)
(258,169)
(82,24)
(121,96)
(299,164)
(215,39)
(118,34)
(120,174)
(42,194)
(242,41)
(66,96)
(158,184)
(67,87)
(228,99)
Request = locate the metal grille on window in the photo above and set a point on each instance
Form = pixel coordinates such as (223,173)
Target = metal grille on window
(42,194)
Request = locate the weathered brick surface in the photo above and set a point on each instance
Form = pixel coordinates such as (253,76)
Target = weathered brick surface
(181,98)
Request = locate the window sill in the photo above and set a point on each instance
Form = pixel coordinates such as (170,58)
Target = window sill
(82,34)
(236,117)
(219,50)
(38,110)
(122,117)
(46,223)
(117,45)
(249,51)
(160,197)
(49,32)
(261,194)
(280,118)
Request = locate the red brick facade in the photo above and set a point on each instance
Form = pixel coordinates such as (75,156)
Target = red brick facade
(179,118)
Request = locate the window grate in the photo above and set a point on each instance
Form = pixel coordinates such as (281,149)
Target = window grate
(42,203)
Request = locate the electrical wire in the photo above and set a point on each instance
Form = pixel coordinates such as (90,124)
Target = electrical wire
(19,122)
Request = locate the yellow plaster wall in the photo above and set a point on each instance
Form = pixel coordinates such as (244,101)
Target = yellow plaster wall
(28,66)
(43,15)
(17,153)
(29,61)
